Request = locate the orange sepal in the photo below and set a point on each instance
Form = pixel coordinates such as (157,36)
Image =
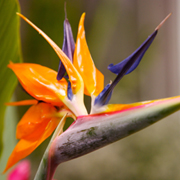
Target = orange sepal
(117,107)
(40,82)
(25,147)
(77,84)
(22,103)
(93,78)
(34,121)
(111,108)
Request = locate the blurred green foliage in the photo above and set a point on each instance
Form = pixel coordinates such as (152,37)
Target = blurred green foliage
(9,51)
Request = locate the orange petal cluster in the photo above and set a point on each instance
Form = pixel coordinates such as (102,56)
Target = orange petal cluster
(36,125)
(40,82)
(50,101)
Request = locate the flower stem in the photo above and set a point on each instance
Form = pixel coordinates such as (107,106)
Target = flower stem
(47,168)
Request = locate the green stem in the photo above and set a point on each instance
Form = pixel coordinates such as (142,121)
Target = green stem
(47,168)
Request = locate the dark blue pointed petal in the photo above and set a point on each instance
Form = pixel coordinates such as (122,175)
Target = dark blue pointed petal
(68,48)
(69,91)
(125,67)
(61,71)
(68,44)
(98,98)
(135,57)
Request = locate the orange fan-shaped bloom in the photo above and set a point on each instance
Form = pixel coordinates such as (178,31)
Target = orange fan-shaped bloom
(47,108)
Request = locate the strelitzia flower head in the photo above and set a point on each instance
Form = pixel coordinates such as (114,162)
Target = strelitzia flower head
(58,95)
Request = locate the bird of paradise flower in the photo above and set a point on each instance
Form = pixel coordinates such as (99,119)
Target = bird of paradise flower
(58,95)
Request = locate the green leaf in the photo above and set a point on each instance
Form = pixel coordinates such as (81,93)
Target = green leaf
(8,137)
(9,51)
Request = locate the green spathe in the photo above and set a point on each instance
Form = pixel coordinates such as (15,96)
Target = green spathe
(92,132)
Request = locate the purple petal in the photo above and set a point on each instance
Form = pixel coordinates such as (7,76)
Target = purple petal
(69,91)
(134,58)
(68,48)
(124,67)
(105,100)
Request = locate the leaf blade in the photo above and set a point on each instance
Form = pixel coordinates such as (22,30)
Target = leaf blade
(9,50)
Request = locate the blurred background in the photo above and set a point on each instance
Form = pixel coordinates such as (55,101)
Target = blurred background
(114,29)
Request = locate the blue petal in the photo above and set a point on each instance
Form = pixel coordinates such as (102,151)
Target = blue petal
(103,101)
(135,57)
(68,48)
(124,67)
(69,91)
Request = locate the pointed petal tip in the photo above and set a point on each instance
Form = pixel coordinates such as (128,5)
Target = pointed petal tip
(5,170)
(19,14)
(10,64)
(163,21)
(81,21)
(82,17)
(22,103)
